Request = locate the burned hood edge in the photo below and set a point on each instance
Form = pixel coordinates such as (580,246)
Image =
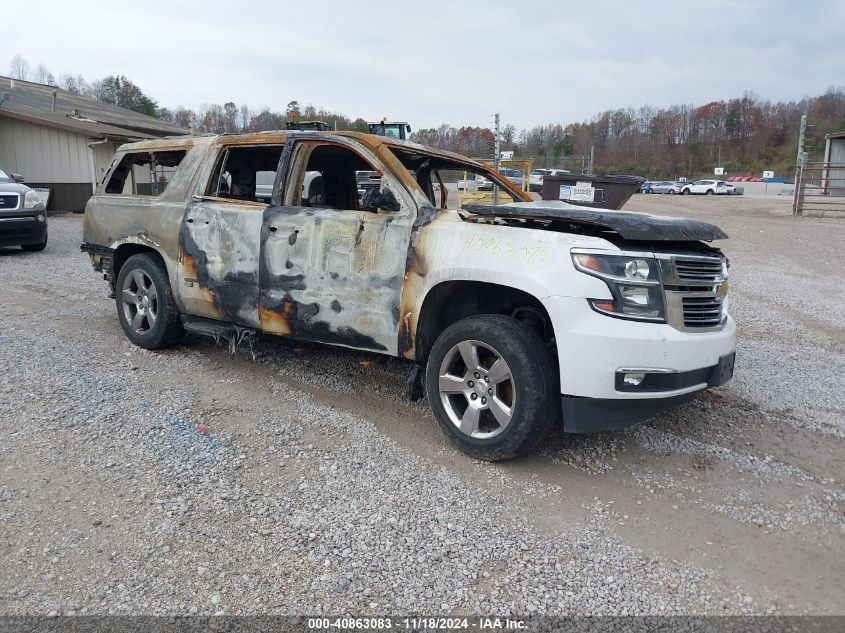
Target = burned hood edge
(629,225)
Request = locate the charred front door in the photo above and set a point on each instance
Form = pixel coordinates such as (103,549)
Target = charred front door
(220,237)
(330,271)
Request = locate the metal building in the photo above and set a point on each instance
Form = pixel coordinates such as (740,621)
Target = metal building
(64,141)
(834,158)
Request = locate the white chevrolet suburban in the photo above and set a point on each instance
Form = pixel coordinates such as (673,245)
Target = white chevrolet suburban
(513,316)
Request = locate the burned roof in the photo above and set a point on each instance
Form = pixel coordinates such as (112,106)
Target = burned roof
(371,141)
(33,102)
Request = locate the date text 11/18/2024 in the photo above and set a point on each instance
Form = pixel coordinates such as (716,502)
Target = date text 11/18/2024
(416,623)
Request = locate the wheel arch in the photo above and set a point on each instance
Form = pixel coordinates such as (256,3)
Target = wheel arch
(450,301)
(127,249)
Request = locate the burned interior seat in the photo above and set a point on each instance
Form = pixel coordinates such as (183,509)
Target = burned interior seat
(314,190)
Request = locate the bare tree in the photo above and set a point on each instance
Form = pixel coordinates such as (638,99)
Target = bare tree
(44,76)
(74,83)
(230,117)
(184,117)
(245,118)
(19,68)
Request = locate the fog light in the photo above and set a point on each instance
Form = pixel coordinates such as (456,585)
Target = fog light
(635,294)
(40,217)
(633,379)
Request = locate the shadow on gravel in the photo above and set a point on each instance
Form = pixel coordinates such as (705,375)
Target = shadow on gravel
(13,251)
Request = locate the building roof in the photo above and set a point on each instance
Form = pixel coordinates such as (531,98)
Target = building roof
(32,102)
(836,135)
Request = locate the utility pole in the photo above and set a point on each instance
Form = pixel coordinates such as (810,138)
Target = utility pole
(496,160)
(592,157)
(797,198)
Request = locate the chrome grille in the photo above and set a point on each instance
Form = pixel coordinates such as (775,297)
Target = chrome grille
(700,312)
(9,201)
(701,270)
(695,287)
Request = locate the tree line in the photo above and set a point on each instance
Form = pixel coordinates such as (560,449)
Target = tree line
(114,89)
(744,134)
(227,118)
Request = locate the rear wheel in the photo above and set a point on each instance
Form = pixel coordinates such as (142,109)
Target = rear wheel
(686,192)
(145,305)
(671,192)
(492,385)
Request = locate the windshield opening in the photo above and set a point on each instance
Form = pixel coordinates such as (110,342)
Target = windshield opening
(449,184)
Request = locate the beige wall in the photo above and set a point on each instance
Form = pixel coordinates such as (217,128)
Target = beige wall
(44,154)
(103,154)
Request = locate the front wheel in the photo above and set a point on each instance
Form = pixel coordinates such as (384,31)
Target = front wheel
(492,386)
(145,305)
(671,192)
(686,192)
(710,192)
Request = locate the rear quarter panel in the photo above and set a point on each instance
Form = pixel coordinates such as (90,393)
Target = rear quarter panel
(115,219)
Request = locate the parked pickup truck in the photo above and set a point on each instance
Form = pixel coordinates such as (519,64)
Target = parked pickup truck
(512,316)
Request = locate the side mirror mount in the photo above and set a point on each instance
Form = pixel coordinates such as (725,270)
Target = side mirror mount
(374,200)
(17,177)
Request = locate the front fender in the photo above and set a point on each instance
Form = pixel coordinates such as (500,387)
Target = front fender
(537,262)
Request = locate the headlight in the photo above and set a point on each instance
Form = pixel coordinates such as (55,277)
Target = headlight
(633,281)
(32,200)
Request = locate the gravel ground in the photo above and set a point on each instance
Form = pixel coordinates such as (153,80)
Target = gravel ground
(187,481)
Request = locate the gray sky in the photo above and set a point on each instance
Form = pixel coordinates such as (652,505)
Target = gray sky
(439,62)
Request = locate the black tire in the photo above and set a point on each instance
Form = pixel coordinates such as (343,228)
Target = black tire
(34,248)
(710,192)
(533,387)
(167,328)
(671,192)
(649,190)
(686,192)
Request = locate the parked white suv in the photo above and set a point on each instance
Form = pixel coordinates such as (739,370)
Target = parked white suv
(707,187)
(513,316)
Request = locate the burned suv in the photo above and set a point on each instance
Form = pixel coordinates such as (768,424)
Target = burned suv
(514,316)
(23,218)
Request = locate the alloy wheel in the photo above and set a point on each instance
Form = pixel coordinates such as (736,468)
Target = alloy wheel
(477,389)
(140,301)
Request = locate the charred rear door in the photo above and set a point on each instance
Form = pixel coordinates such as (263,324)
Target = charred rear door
(331,272)
(220,236)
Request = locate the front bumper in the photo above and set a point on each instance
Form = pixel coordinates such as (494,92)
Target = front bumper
(593,348)
(593,415)
(21,230)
